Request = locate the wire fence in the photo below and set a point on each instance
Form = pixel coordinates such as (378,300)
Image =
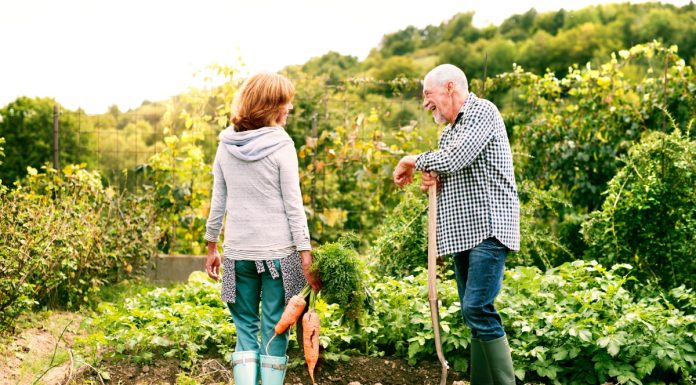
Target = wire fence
(118,141)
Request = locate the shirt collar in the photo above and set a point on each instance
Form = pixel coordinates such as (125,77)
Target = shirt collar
(462,111)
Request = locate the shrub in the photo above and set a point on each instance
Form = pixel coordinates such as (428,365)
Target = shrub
(649,215)
(574,324)
(402,241)
(63,236)
(577,324)
(182,322)
(539,245)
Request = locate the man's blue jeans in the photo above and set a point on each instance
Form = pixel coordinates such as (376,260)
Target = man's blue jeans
(479,275)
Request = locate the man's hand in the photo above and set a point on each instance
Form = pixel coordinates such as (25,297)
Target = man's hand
(212,264)
(430,178)
(312,279)
(403,173)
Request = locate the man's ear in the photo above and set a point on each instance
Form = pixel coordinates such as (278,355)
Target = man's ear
(450,87)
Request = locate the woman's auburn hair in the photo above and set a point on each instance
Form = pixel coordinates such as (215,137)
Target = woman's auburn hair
(259,101)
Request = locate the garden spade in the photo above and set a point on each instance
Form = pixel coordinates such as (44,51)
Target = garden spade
(432,278)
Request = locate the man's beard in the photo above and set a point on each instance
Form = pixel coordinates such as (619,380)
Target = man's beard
(439,119)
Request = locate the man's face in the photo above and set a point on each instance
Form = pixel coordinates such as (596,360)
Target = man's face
(435,99)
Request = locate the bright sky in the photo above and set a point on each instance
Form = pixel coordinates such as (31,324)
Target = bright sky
(95,53)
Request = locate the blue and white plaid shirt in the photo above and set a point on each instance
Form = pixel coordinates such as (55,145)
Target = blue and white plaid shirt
(478,198)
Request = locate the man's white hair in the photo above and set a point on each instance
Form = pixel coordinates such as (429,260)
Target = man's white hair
(445,73)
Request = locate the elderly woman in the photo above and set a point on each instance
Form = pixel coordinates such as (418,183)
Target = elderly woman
(266,245)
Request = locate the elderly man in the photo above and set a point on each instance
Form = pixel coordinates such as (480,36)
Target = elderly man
(478,209)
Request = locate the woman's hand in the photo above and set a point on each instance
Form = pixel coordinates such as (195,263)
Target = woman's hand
(312,280)
(212,264)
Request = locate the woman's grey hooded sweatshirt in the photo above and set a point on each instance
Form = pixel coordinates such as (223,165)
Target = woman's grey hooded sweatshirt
(256,183)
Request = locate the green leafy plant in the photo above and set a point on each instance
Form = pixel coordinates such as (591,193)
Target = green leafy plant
(649,216)
(402,239)
(342,276)
(182,322)
(576,127)
(578,324)
(63,236)
(2,154)
(574,324)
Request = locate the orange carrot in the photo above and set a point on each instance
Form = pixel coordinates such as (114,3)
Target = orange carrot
(293,311)
(310,331)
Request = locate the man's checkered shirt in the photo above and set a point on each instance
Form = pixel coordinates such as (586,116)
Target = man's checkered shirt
(478,198)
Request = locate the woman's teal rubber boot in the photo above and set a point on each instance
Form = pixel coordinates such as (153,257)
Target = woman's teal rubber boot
(273,370)
(246,367)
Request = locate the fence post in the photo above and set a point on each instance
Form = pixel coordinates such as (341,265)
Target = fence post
(485,75)
(315,140)
(56,164)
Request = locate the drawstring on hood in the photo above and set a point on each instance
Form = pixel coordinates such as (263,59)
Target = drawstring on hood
(254,144)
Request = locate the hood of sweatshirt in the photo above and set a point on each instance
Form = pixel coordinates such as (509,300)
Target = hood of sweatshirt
(254,144)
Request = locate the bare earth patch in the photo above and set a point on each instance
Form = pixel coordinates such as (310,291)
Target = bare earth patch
(27,355)
(358,370)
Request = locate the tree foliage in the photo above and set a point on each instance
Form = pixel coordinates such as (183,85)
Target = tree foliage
(27,126)
(537,41)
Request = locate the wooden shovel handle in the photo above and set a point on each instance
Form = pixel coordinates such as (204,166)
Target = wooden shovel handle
(432,241)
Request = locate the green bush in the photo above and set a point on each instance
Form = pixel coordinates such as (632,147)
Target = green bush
(574,324)
(402,239)
(2,155)
(63,236)
(649,216)
(577,324)
(181,322)
(539,245)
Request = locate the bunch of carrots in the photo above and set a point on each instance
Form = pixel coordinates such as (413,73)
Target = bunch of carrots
(343,283)
(310,325)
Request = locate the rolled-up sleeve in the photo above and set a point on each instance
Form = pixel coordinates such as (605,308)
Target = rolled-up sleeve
(292,198)
(218,203)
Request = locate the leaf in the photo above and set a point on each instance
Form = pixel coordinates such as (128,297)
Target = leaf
(413,349)
(614,347)
(519,373)
(585,335)
(645,366)
(560,354)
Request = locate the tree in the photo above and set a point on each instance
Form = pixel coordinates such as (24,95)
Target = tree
(460,26)
(27,126)
(550,22)
(497,55)
(401,43)
(331,64)
(519,27)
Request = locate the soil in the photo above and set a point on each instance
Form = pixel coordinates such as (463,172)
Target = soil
(356,371)
(25,357)
(35,346)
